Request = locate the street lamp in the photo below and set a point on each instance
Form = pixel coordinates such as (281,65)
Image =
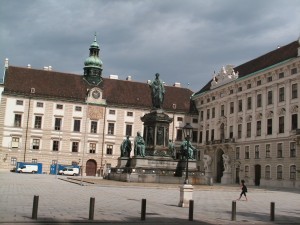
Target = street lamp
(187,132)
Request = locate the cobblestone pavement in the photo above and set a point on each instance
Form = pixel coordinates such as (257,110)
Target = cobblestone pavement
(64,202)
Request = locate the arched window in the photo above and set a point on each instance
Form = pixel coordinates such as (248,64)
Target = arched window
(279,172)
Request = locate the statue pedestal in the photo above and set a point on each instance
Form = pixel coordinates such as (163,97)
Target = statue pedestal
(123,162)
(186,194)
(226,178)
(209,178)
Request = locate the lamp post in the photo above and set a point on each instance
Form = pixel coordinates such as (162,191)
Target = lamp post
(186,190)
(187,131)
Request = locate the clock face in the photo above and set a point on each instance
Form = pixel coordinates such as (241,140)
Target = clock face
(96,94)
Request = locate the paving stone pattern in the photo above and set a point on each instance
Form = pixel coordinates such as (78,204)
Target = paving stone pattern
(65,202)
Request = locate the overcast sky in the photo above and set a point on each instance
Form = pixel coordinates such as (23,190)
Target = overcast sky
(184,41)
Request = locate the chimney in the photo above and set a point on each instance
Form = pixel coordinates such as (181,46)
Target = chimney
(113,77)
(148,81)
(29,66)
(45,67)
(6,63)
(177,84)
(50,68)
(128,78)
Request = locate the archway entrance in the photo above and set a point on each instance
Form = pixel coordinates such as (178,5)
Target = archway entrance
(257,169)
(220,165)
(91,167)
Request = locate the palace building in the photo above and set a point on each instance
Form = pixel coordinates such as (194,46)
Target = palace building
(51,117)
(251,113)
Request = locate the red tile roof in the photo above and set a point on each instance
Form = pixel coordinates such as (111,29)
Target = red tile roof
(72,87)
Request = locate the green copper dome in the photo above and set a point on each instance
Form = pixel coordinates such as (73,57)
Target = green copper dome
(93,61)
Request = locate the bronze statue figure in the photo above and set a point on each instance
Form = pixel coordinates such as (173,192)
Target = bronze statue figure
(158,92)
(126,147)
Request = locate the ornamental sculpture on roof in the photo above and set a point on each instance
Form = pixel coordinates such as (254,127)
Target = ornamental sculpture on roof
(157,92)
(225,76)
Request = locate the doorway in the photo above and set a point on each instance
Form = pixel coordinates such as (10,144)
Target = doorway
(220,165)
(237,175)
(91,167)
(257,169)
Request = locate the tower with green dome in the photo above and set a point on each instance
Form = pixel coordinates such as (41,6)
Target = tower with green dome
(93,65)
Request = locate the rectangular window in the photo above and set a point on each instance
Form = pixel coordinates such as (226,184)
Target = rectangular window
(111,128)
(222,110)
(15,141)
(54,162)
(293,172)
(38,122)
(248,129)
(293,149)
(36,144)
(258,83)
(294,121)
(207,136)
(179,135)
(34,161)
(231,91)
(231,132)
(258,128)
(19,102)
(269,79)
(112,112)
(207,113)
(279,150)
(195,136)
(208,100)
(240,89)
(268,150)
(13,161)
(281,124)
(213,113)
(239,131)
(55,146)
(59,106)
(269,126)
(75,146)
(258,100)
(293,71)
(256,152)
(200,137)
(247,152)
(281,75)
(109,150)
(77,125)
(78,108)
(294,91)
(281,94)
(231,107)
(40,104)
(240,105)
(195,120)
(92,148)
(212,135)
(270,97)
(237,153)
(268,172)
(128,130)
(18,120)
(248,86)
(94,125)
(279,172)
(249,103)
(130,114)
(57,124)
(180,119)
(201,116)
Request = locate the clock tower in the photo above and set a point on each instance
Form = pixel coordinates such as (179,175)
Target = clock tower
(93,65)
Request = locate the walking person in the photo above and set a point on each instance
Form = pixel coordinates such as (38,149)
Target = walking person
(244,190)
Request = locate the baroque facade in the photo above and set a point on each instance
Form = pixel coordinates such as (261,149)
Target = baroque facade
(51,117)
(251,114)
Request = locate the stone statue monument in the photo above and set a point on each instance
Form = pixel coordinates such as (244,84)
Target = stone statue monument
(157,92)
(187,151)
(126,147)
(207,163)
(226,160)
(139,145)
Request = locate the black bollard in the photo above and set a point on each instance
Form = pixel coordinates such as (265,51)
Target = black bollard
(92,208)
(272,211)
(233,212)
(191,210)
(35,207)
(143,210)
